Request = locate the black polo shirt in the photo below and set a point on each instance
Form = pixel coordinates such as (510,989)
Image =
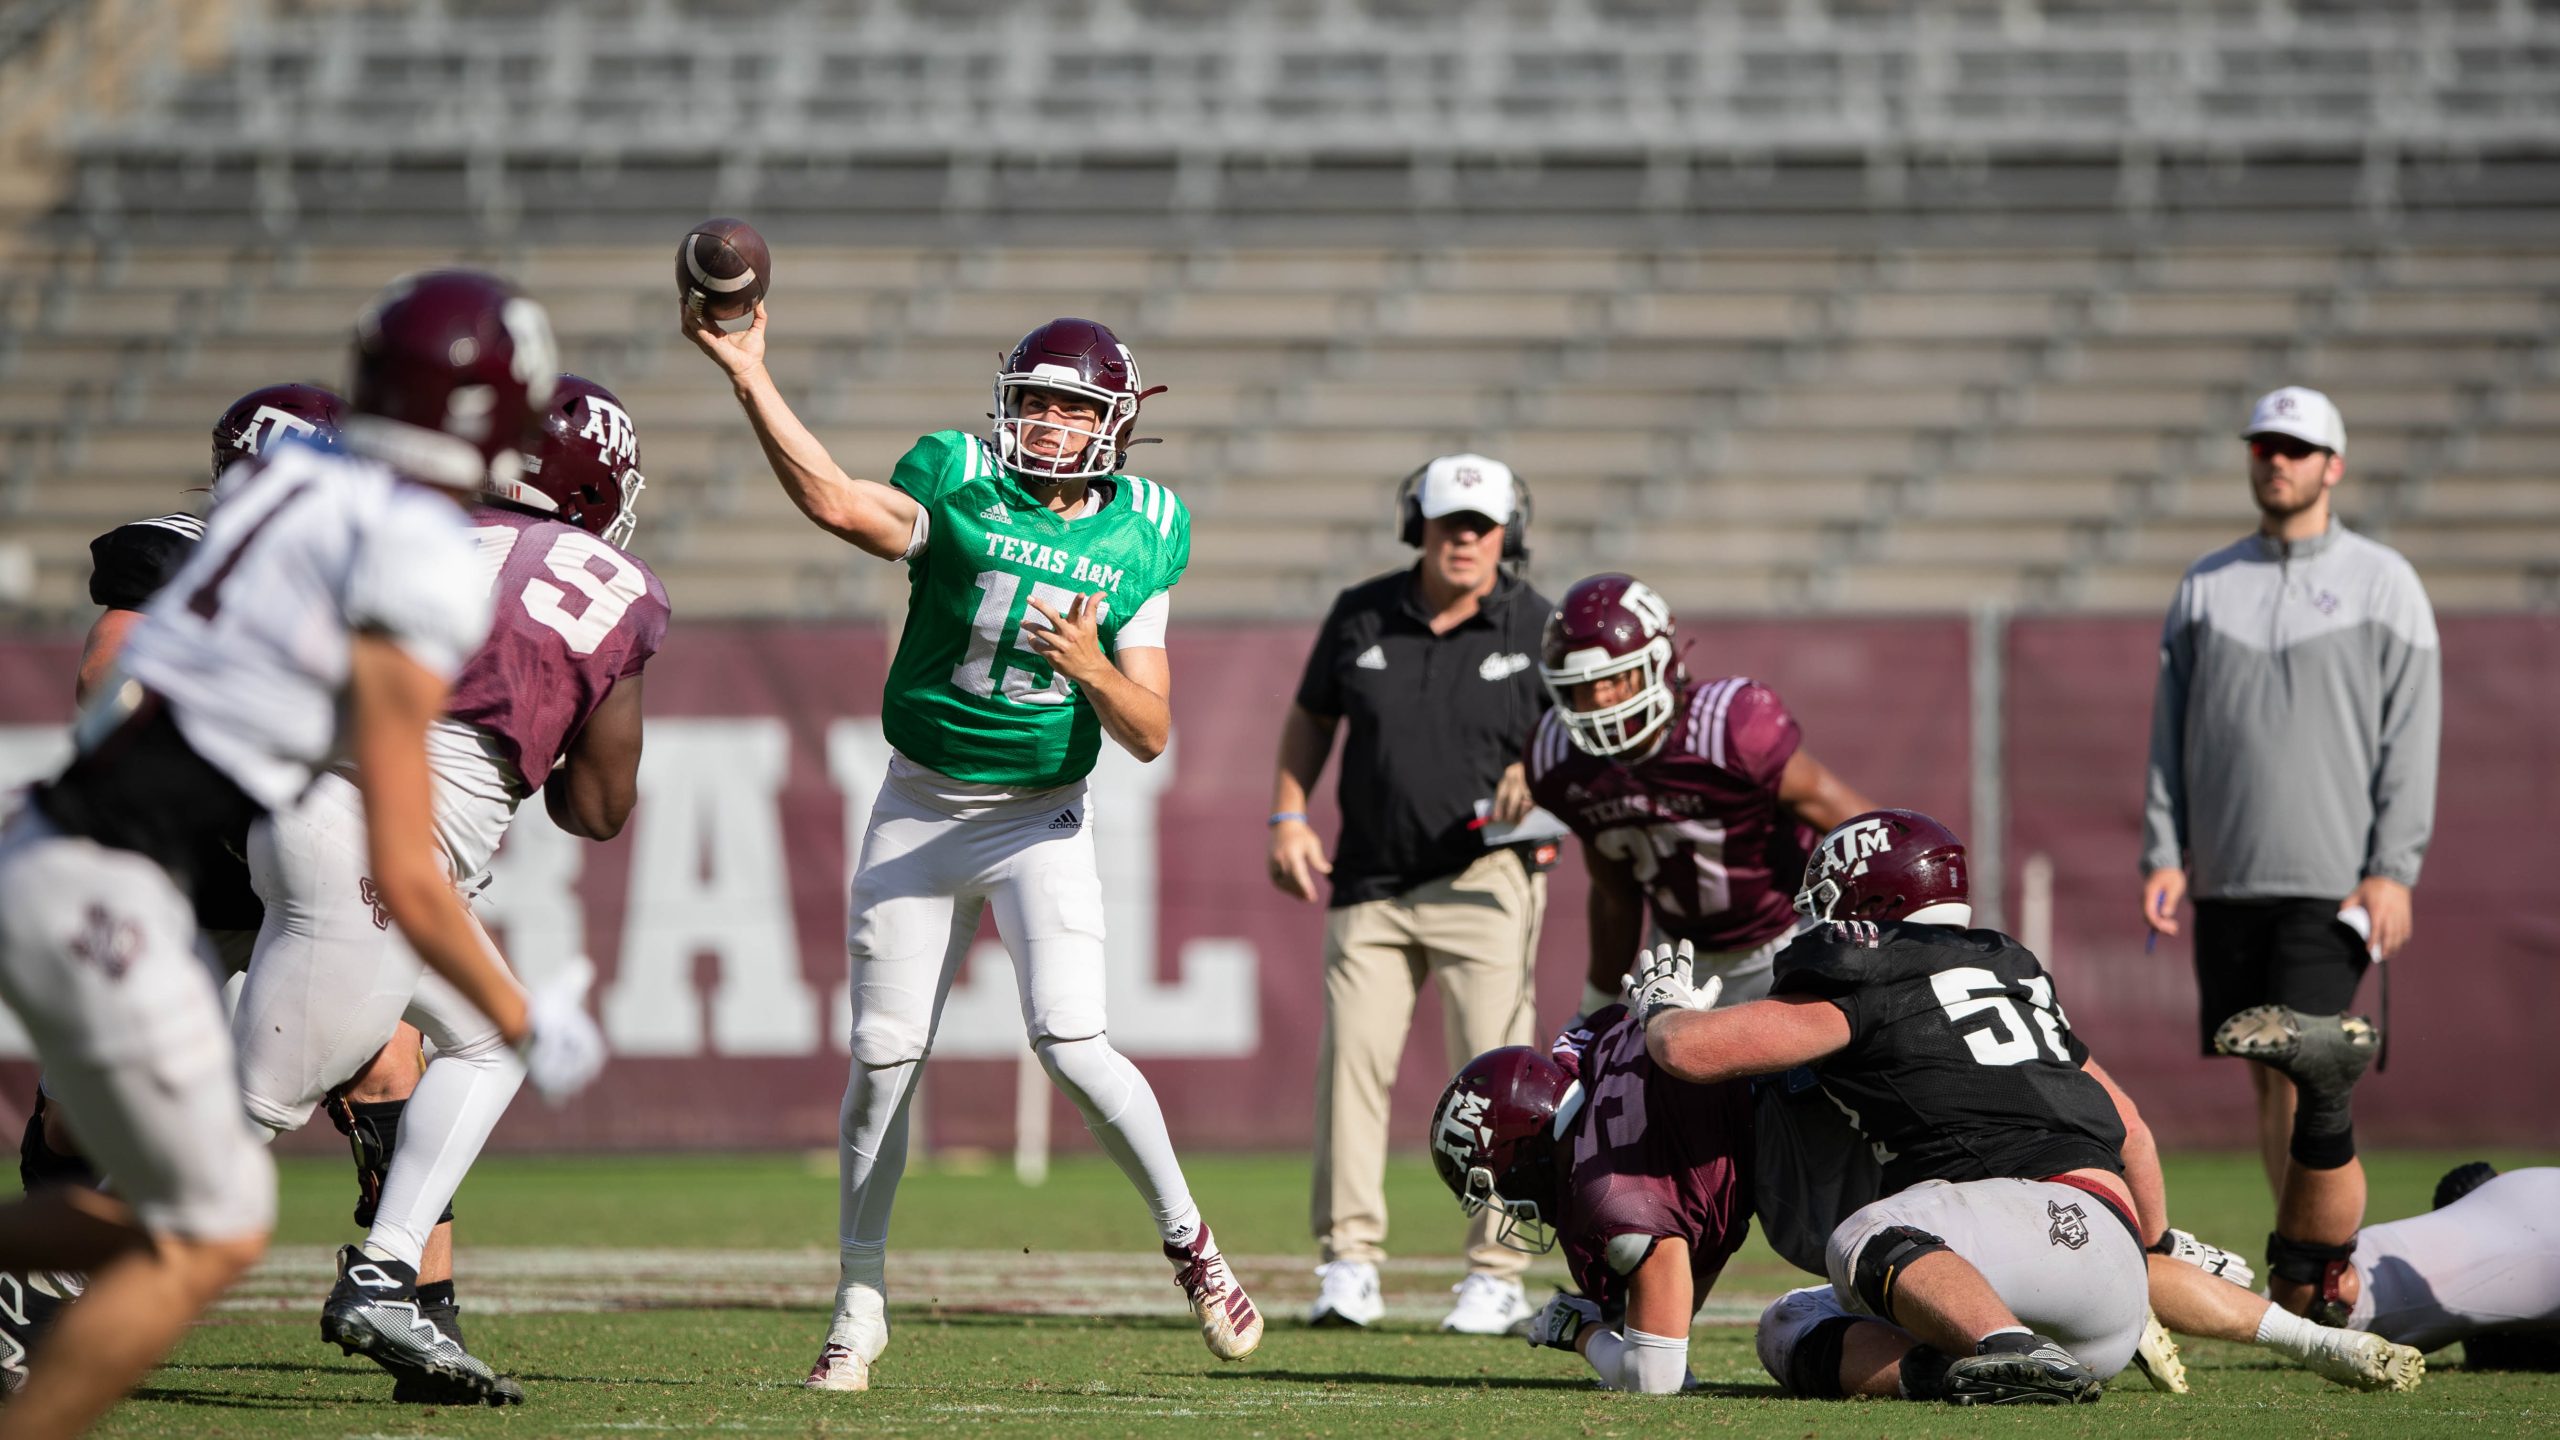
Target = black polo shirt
(1433,721)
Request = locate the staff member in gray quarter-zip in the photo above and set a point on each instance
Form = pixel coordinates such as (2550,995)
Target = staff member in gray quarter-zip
(1436,670)
(2293,753)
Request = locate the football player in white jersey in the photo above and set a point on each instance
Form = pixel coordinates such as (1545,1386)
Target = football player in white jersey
(2482,1266)
(322,616)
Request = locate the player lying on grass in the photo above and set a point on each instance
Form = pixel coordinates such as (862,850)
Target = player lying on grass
(2006,1243)
(1040,581)
(2482,1266)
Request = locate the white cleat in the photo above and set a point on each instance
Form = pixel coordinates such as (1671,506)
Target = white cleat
(1347,1294)
(1488,1305)
(2362,1361)
(2157,1355)
(839,1367)
(1228,1320)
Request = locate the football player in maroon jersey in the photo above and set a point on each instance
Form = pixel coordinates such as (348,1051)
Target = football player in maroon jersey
(1696,801)
(1641,1177)
(551,703)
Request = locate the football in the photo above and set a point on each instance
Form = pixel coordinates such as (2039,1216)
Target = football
(723,267)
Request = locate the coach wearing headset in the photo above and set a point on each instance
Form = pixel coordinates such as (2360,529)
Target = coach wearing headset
(1435,668)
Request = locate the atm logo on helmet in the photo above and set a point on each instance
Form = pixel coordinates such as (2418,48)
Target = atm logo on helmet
(1847,850)
(1462,1133)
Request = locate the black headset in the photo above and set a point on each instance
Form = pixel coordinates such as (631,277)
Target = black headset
(1515,531)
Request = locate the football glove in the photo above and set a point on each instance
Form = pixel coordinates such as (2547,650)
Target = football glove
(1665,981)
(562,1048)
(2211,1259)
(1557,1326)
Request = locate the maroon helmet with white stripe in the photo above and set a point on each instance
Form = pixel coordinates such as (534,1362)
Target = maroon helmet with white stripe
(1494,1142)
(1607,626)
(1079,358)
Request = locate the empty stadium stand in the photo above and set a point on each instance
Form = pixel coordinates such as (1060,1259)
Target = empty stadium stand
(1787,306)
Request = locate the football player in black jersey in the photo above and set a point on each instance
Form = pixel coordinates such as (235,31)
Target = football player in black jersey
(2004,1260)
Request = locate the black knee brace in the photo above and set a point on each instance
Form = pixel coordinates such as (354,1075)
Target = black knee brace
(1813,1371)
(1882,1259)
(2322,1266)
(40,1164)
(372,1128)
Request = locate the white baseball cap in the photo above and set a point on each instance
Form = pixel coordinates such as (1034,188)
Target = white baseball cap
(1471,483)
(2302,413)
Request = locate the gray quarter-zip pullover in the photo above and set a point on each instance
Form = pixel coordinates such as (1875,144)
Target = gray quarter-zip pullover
(2293,733)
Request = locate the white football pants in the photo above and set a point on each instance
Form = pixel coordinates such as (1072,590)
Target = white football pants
(2488,1261)
(99,957)
(935,856)
(2063,1263)
(329,983)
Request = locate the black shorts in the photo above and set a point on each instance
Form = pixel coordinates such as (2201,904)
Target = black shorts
(2273,952)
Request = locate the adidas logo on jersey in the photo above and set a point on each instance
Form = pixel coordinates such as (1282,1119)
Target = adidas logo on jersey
(1066,821)
(997,513)
(1373,658)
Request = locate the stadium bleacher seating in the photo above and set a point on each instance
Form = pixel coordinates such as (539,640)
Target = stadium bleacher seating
(1787,382)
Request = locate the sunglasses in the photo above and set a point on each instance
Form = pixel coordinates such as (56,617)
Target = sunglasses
(2291,448)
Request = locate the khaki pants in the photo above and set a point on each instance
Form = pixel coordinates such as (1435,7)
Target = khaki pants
(1477,932)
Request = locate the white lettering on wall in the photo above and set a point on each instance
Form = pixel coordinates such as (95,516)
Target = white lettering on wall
(708,876)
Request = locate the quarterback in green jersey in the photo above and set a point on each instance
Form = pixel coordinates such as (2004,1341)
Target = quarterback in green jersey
(1039,578)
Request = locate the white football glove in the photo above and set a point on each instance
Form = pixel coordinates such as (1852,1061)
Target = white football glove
(1557,1325)
(2211,1259)
(1665,981)
(562,1048)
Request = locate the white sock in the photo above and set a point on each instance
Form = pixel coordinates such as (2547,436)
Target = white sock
(871,1148)
(862,1299)
(458,1102)
(1120,1108)
(2290,1335)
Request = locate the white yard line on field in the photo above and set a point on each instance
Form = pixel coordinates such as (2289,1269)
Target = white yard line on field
(558,1280)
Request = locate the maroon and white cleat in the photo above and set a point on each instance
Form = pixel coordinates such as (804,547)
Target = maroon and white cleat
(839,1367)
(1227,1318)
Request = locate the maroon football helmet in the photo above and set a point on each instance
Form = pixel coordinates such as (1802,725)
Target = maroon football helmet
(587,471)
(1883,865)
(274,412)
(1072,357)
(1493,1140)
(453,370)
(1609,625)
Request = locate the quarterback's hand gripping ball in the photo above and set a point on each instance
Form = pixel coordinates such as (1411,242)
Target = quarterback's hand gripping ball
(1666,981)
(1557,1326)
(562,1049)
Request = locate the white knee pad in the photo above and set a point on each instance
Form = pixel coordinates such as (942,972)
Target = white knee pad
(1785,1325)
(1099,1079)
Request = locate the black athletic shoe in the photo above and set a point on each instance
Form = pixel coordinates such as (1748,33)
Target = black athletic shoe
(2323,1055)
(2021,1370)
(411,1388)
(26,1309)
(373,1311)
(2461,1180)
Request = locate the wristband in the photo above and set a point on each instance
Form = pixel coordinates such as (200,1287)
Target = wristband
(1279,815)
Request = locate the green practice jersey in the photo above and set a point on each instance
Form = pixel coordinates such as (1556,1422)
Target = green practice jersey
(966,696)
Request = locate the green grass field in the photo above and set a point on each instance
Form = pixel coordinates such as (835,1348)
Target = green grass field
(687,1295)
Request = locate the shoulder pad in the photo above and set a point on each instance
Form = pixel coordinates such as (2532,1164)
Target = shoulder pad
(130,562)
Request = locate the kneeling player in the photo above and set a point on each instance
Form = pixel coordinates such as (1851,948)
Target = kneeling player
(2005,1244)
(1636,1173)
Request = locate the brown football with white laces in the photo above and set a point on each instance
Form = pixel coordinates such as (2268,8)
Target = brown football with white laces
(723,268)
